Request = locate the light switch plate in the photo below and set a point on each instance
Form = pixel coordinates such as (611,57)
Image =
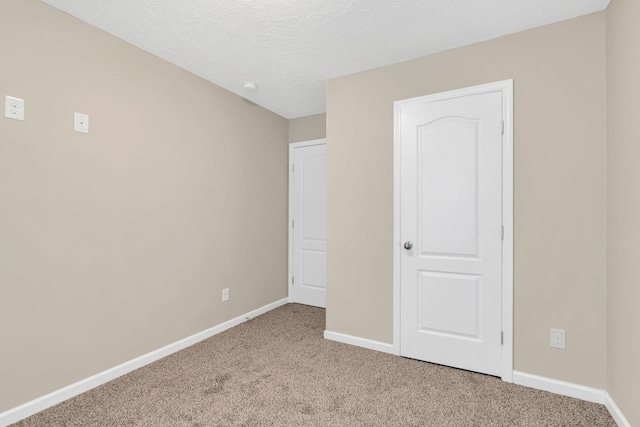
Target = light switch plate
(81,122)
(13,108)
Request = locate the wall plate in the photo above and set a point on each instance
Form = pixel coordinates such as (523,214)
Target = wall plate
(13,108)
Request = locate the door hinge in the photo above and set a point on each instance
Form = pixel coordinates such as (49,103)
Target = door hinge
(502,127)
(293,224)
(501,337)
(293,167)
(293,280)
(502,233)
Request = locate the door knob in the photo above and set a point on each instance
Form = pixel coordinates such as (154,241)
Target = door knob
(408,245)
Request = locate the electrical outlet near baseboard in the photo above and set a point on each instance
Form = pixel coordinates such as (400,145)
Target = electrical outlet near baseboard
(558,338)
(225,294)
(13,108)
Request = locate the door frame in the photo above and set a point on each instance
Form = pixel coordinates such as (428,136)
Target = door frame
(292,147)
(506,88)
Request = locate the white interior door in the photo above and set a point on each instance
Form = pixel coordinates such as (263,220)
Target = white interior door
(451,229)
(308,223)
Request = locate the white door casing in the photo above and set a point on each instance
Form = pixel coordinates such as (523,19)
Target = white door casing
(307,223)
(453,290)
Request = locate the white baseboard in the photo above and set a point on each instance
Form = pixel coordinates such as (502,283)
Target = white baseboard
(615,412)
(41,403)
(359,342)
(578,391)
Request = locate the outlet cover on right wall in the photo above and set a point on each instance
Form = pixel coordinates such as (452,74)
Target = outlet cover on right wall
(558,338)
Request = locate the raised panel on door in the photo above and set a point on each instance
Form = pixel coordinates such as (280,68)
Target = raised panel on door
(449,304)
(451,210)
(448,214)
(314,269)
(309,228)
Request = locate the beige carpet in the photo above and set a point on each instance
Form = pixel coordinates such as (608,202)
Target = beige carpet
(278,370)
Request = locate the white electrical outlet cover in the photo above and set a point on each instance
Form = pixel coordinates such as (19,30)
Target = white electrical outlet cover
(558,339)
(81,122)
(13,108)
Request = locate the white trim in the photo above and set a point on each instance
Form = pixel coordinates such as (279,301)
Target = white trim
(309,143)
(397,250)
(615,412)
(506,88)
(41,403)
(563,388)
(507,222)
(292,147)
(359,342)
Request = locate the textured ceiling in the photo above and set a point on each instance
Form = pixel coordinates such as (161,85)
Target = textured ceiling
(290,48)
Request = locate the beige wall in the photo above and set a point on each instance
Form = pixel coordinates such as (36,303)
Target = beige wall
(623,69)
(119,242)
(308,128)
(560,189)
